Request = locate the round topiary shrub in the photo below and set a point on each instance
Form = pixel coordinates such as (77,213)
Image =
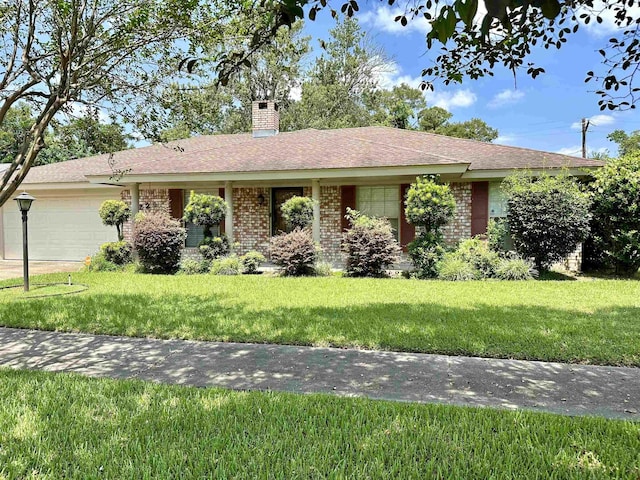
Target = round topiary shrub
(369,244)
(158,239)
(429,204)
(205,211)
(295,253)
(115,213)
(298,212)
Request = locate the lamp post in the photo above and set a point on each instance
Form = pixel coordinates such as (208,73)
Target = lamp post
(24,204)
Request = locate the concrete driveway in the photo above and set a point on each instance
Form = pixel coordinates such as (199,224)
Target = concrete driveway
(13,268)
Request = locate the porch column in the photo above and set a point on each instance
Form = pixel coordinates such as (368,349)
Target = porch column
(315,195)
(135,198)
(228,219)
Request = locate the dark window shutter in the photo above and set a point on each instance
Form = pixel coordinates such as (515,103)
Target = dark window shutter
(407,231)
(222,223)
(347,199)
(176,203)
(479,207)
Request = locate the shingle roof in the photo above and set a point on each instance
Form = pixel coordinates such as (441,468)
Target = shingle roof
(307,149)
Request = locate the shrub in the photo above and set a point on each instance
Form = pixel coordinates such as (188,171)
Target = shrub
(477,253)
(100,264)
(454,268)
(616,214)
(205,211)
(515,268)
(298,211)
(119,253)
(429,204)
(191,266)
(214,247)
(370,245)
(498,236)
(548,216)
(226,266)
(158,239)
(425,253)
(323,269)
(295,252)
(115,213)
(251,262)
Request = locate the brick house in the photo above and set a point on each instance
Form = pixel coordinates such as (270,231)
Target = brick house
(366,168)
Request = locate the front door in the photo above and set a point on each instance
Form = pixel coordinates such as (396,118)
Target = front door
(278,197)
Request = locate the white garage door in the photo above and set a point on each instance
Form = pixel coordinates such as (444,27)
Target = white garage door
(60,228)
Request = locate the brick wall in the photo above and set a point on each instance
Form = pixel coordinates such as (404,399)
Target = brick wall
(330,223)
(251,223)
(266,118)
(460,226)
(151,200)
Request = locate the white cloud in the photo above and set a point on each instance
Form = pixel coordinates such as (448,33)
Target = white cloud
(596,121)
(573,151)
(506,97)
(608,25)
(383,18)
(451,99)
(505,139)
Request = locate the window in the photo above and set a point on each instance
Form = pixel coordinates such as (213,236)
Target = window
(497,201)
(195,233)
(381,201)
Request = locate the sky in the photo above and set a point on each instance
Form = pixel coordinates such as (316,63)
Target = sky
(542,114)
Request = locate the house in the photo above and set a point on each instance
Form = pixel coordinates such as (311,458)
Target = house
(366,168)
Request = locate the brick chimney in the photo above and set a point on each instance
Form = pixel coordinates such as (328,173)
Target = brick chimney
(265,118)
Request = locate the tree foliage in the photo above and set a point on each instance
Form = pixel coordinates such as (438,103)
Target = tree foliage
(475,36)
(55,53)
(628,143)
(548,216)
(616,213)
(298,211)
(115,213)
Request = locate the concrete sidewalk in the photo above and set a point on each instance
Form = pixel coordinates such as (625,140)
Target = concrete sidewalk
(611,392)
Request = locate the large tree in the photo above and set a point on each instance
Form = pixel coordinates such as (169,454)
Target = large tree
(628,143)
(203,106)
(436,120)
(57,52)
(347,71)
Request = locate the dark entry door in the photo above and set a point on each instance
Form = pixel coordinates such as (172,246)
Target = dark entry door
(279,196)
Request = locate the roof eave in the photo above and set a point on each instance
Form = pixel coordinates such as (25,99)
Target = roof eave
(328,173)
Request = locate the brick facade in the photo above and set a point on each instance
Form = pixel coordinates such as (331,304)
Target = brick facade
(460,226)
(251,221)
(151,200)
(330,223)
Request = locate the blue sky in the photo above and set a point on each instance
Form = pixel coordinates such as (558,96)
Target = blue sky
(543,114)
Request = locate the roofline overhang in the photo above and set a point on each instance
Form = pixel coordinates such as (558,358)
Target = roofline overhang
(85,185)
(307,174)
(505,172)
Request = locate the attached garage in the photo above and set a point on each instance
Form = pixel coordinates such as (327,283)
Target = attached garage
(61,227)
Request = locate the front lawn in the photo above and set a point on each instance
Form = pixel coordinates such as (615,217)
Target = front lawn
(572,321)
(67,426)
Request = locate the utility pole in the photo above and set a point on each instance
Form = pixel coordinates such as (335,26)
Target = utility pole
(585,127)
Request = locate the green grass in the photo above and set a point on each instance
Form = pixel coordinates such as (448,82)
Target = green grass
(17,293)
(66,426)
(581,321)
